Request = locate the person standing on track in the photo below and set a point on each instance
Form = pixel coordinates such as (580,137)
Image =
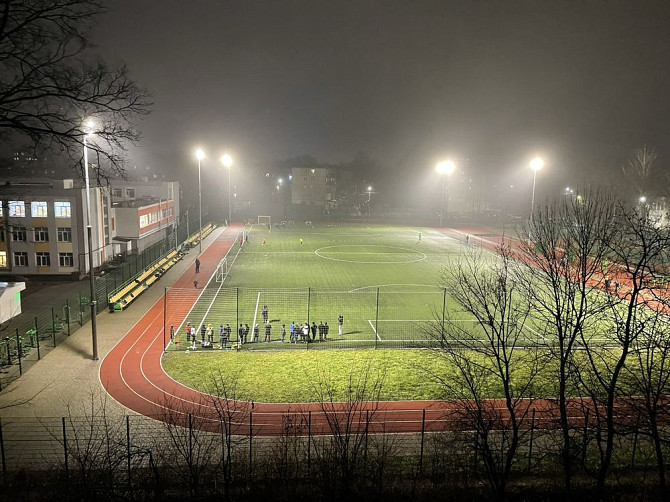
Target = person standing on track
(197,265)
(188,332)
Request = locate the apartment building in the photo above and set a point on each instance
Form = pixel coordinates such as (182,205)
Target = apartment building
(43,224)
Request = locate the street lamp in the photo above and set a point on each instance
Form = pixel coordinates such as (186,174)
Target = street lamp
(227,161)
(369,193)
(89,127)
(200,155)
(445,169)
(536,164)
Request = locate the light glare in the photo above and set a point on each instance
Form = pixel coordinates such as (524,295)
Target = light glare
(447,167)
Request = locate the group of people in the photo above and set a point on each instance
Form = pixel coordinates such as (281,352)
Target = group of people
(297,332)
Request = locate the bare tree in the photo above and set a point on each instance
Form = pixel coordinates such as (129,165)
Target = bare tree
(232,413)
(50,83)
(640,252)
(639,168)
(494,355)
(341,456)
(561,271)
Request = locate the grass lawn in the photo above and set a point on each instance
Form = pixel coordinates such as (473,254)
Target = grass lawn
(294,376)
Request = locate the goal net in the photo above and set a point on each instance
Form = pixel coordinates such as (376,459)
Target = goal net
(222,270)
(265,220)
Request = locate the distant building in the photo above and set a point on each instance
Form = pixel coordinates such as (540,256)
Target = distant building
(43,231)
(312,186)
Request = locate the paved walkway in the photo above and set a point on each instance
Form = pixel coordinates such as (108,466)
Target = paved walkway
(67,378)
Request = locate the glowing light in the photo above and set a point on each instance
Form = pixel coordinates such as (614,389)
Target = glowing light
(227,160)
(199,154)
(447,167)
(536,164)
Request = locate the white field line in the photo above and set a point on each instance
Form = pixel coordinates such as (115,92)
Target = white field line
(374,330)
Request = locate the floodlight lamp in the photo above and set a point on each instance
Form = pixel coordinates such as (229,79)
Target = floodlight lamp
(536,164)
(643,199)
(89,126)
(199,154)
(369,189)
(447,167)
(227,160)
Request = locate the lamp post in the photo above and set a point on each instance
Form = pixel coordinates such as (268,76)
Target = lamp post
(369,193)
(227,161)
(200,155)
(445,169)
(535,164)
(88,126)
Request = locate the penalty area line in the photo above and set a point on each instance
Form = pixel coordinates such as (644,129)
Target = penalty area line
(374,330)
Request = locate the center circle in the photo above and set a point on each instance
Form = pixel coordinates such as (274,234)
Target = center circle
(362,253)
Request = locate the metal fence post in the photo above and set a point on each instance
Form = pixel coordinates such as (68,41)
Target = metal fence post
(130,484)
(309,442)
(444,307)
(18,350)
(2,451)
(67,315)
(37,340)
(237,314)
(251,440)
(67,472)
(530,443)
(423,437)
(164,316)
(309,300)
(53,322)
(377,319)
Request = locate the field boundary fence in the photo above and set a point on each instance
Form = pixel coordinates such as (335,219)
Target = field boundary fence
(26,338)
(124,451)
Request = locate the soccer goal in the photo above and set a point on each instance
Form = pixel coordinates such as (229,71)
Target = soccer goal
(265,220)
(222,270)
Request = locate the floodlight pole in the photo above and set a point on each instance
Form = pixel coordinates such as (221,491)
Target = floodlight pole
(91,276)
(199,209)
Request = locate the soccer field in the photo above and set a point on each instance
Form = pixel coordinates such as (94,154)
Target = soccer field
(384,281)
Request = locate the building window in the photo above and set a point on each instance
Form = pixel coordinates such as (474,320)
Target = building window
(20,259)
(62,210)
(130,192)
(66,259)
(3,259)
(41,234)
(39,209)
(117,192)
(19,234)
(2,209)
(43,259)
(144,221)
(64,234)
(17,208)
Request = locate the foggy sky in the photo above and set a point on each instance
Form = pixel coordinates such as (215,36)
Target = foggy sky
(407,82)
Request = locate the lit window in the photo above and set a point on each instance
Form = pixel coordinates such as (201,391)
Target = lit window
(66,259)
(20,259)
(43,259)
(41,234)
(144,221)
(1,209)
(64,234)
(62,209)
(3,259)
(39,209)
(19,234)
(17,208)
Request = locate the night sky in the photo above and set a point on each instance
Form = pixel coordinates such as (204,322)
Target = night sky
(407,82)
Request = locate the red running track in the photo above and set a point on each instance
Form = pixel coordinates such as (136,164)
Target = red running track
(133,375)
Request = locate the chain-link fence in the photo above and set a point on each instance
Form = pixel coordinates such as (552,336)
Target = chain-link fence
(122,456)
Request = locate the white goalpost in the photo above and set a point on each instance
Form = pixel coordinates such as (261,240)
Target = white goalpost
(265,220)
(221,270)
